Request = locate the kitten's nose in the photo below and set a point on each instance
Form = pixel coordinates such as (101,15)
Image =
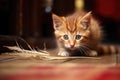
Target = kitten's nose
(72,46)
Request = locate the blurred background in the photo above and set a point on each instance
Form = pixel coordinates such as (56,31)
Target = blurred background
(31,19)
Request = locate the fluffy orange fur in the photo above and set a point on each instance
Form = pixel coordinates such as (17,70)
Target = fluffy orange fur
(77,34)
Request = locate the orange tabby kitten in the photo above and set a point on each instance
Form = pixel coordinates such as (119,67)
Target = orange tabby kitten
(78,34)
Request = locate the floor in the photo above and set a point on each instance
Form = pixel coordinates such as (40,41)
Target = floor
(49,66)
(17,60)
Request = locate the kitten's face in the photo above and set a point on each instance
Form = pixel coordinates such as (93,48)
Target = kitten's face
(72,31)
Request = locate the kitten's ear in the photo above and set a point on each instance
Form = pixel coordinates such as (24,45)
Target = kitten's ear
(85,20)
(57,21)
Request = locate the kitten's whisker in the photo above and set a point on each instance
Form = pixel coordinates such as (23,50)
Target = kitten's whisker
(86,47)
(85,52)
(81,52)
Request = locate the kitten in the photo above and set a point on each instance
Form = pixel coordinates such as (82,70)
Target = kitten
(78,34)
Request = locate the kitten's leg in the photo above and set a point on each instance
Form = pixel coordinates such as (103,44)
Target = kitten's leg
(62,52)
(93,53)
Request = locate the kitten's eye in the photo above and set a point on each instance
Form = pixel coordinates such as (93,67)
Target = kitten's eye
(77,37)
(65,37)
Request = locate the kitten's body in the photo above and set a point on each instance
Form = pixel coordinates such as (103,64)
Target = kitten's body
(77,34)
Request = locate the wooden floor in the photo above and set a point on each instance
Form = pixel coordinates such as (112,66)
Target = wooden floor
(12,62)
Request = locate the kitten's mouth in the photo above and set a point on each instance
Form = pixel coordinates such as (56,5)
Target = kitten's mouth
(71,47)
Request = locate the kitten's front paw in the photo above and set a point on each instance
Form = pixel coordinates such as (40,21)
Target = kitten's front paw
(93,53)
(63,53)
